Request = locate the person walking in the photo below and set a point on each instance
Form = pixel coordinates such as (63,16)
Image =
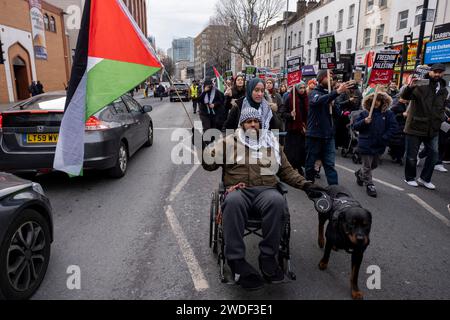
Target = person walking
(424,121)
(375,132)
(296,122)
(33,89)
(235,92)
(194,95)
(39,88)
(320,128)
(211,107)
(161,90)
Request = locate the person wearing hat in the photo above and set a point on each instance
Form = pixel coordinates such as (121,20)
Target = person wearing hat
(254,98)
(211,107)
(425,117)
(374,135)
(253,163)
(296,120)
(320,133)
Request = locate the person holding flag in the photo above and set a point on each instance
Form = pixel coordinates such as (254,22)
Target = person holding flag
(211,106)
(112,57)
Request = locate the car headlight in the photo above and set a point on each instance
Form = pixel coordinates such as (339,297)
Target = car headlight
(38,188)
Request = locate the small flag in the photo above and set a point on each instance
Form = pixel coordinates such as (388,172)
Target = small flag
(219,81)
(112,57)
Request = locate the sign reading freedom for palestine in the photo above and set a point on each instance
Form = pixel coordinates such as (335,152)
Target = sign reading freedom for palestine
(327,52)
(294,71)
(383,67)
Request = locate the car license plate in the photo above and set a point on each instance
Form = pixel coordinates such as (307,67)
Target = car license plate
(42,138)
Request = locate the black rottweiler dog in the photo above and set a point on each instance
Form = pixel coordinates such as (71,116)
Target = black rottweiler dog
(348,229)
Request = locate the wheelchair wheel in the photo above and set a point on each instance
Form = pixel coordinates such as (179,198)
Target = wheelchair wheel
(212,218)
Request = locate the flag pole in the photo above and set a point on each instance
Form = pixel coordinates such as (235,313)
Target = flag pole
(179,97)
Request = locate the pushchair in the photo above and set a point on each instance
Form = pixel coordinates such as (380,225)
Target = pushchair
(351,150)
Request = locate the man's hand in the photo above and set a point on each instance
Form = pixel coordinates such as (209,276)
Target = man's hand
(345,87)
(293,114)
(228,92)
(368,120)
(314,190)
(212,106)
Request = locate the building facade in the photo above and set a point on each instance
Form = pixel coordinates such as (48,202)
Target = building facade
(183,49)
(22,61)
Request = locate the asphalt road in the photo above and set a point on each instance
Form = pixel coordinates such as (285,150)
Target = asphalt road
(146,236)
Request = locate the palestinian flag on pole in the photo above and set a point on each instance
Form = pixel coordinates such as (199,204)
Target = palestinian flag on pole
(112,57)
(219,81)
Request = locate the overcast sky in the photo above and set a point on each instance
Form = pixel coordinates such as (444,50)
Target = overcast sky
(171,19)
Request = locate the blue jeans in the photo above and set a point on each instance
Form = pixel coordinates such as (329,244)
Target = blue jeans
(321,149)
(412,150)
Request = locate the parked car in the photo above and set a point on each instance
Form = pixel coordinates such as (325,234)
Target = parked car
(29,133)
(26,234)
(180,91)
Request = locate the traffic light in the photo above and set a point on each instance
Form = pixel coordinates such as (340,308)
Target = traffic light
(2,59)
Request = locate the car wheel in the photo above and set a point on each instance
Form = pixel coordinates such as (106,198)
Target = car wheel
(149,141)
(24,256)
(119,170)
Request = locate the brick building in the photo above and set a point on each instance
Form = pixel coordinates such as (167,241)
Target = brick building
(21,67)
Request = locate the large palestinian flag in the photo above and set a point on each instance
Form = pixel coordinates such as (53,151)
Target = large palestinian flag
(112,57)
(220,83)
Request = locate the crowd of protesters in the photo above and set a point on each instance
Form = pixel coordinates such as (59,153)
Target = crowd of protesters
(411,122)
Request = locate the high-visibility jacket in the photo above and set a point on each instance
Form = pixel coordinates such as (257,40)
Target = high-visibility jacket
(194,92)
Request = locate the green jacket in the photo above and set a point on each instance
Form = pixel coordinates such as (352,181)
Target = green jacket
(236,170)
(426,111)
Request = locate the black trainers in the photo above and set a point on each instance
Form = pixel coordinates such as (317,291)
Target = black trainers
(358,178)
(245,275)
(371,191)
(270,269)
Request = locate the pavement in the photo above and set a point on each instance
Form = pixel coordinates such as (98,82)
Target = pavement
(146,236)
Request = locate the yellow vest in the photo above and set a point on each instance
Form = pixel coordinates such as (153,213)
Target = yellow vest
(194,91)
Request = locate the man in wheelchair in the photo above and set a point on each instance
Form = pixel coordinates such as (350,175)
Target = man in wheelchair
(253,163)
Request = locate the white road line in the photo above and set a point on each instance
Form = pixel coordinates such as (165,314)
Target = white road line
(430,209)
(197,275)
(182,183)
(376,180)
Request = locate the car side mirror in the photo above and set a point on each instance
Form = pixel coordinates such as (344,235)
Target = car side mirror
(147,109)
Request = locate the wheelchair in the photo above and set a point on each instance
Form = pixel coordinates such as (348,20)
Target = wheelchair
(253,226)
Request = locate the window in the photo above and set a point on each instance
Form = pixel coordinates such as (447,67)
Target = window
(295,40)
(279,42)
(338,49)
(349,46)
(340,19)
(46,22)
(276,61)
(274,44)
(315,54)
(418,17)
(367,37)
(119,106)
(317,28)
(383,3)
(325,25)
(289,42)
(265,48)
(310,31)
(309,56)
(402,20)
(380,34)
(369,5)
(132,105)
(351,15)
(52,24)
(299,38)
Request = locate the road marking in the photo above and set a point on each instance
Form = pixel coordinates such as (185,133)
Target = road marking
(182,183)
(430,209)
(197,275)
(376,180)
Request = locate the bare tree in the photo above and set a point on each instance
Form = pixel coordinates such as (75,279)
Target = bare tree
(247,19)
(218,55)
(167,61)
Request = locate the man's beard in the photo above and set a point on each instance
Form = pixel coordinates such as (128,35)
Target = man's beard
(252,134)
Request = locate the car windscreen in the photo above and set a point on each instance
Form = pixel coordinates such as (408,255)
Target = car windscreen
(47,102)
(180,86)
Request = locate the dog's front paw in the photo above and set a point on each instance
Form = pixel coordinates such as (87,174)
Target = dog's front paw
(321,242)
(357,295)
(323,265)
